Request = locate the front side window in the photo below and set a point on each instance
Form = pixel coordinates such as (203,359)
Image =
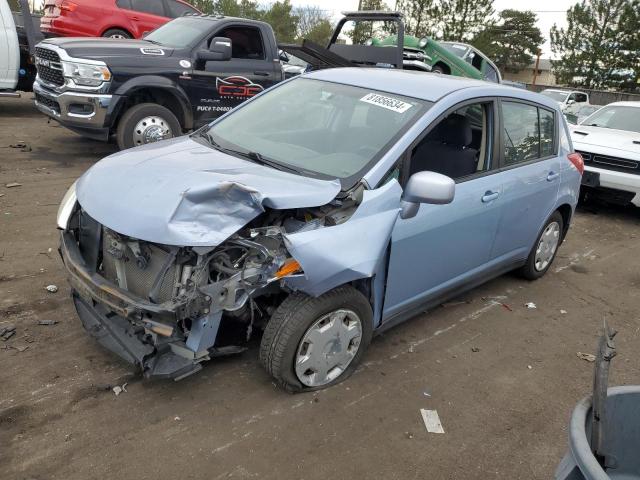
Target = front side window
(154,7)
(458,146)
(246,42)
(528,132)
(317,128)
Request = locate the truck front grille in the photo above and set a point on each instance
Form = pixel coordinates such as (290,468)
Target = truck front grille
(610,163)
(49,66)
(139,281)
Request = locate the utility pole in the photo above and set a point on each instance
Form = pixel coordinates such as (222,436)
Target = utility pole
(535,70)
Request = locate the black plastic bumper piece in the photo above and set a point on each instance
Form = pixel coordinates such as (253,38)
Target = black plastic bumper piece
(116,334)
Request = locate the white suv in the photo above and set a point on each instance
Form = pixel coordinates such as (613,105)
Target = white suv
(609,141)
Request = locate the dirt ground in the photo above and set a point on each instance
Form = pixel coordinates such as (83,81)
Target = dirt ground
(504,408)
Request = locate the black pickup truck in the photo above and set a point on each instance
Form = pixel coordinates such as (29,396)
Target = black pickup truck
(181,76)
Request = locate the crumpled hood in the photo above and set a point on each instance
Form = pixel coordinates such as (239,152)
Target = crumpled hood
(181,192)
(622,141)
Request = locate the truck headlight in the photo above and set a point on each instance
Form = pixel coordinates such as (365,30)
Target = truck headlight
(85,74)
(423,42)
(66,207)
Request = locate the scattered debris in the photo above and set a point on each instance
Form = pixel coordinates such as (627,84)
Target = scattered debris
(409,435)
(426,394)
(506,306)
(21,348)
(431,421)
(1,194)
(47,322)
(67,437)
(7,332)
(52,288)
(13,184)
(475,349)
(120,389)
(529,367)
(563,312)
(177,419)
(586,356)
(23,146)
(455,304)
(530,305)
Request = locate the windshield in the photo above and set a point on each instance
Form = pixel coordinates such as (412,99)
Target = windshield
(457,50)
(618,117)
(318,128)
(555,95)
(180,33)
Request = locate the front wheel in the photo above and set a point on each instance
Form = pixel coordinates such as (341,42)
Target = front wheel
(545,249)
(116,33)
(312,343)
(146,123)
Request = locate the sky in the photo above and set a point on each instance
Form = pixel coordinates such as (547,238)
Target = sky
(548,11)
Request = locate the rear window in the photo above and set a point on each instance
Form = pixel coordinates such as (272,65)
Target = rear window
(153,7)
(177,9)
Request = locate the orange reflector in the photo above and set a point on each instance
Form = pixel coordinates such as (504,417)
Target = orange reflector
(289,267)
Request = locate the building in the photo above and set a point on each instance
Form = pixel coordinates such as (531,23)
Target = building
(544,75)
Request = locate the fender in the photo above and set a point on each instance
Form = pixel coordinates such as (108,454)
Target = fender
(155,81)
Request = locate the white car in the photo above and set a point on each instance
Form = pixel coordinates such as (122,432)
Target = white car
(565,98)
(609,141)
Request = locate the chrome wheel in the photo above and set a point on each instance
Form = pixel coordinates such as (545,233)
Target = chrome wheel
(119,36)
(151,129)
(547,246)
(328,347)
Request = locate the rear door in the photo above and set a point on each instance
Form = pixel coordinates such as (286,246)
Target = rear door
(530,171)
(144,15)
(216,87)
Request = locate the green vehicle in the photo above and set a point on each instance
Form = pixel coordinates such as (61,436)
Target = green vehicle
(449,58)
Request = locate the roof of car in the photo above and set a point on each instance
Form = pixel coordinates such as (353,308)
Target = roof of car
(625,104)
(410,83)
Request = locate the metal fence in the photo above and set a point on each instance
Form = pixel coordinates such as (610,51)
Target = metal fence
(596,97)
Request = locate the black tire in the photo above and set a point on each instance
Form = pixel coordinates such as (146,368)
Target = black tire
(293,318)
(117,33)
(529,270)
(438,69)
(127,124)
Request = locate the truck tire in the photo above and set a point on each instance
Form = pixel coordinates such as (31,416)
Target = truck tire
(545,249)
(312,343)
(117,33)
(438,69)
(146,123)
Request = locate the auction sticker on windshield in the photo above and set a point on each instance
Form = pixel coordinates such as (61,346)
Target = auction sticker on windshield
(386,102)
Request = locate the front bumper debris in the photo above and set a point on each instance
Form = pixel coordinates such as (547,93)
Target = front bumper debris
(121,322)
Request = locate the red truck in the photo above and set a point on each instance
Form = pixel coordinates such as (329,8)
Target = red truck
(109,18)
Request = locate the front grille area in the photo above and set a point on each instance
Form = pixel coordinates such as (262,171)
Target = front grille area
(51,73)
(610,163)
(47,102)
(139,281)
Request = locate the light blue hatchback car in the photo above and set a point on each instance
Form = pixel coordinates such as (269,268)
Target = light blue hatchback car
(331,206)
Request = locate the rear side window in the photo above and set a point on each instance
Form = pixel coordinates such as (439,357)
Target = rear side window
(154,7)
(528,132)
(177,9)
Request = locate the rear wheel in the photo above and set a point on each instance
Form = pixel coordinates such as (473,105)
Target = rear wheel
(312,343)
(544,250)
(116,33)
(439,69)
(146,123)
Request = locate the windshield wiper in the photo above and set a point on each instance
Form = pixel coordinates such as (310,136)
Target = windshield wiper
(255,157)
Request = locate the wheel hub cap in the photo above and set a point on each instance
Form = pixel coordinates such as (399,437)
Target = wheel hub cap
(328,347)
(547,246)
(151,129)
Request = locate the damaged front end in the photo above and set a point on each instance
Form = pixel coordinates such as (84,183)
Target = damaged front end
(166,309)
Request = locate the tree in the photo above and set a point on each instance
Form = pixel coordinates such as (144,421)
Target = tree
(512,42)
(599,47)
(313,24)
(461,20)
(363,31)
(234,8)
(418,16)
(281,18)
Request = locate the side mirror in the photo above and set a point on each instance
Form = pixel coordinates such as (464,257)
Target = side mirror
(283,56)
(219,50)
(570,102)
(426,187)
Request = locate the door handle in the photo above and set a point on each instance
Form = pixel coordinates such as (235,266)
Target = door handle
(552,176)
(135,18)
(261,74)
(489,196)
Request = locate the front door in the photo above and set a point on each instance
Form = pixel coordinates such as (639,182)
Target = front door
(217,87)
(446,245)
